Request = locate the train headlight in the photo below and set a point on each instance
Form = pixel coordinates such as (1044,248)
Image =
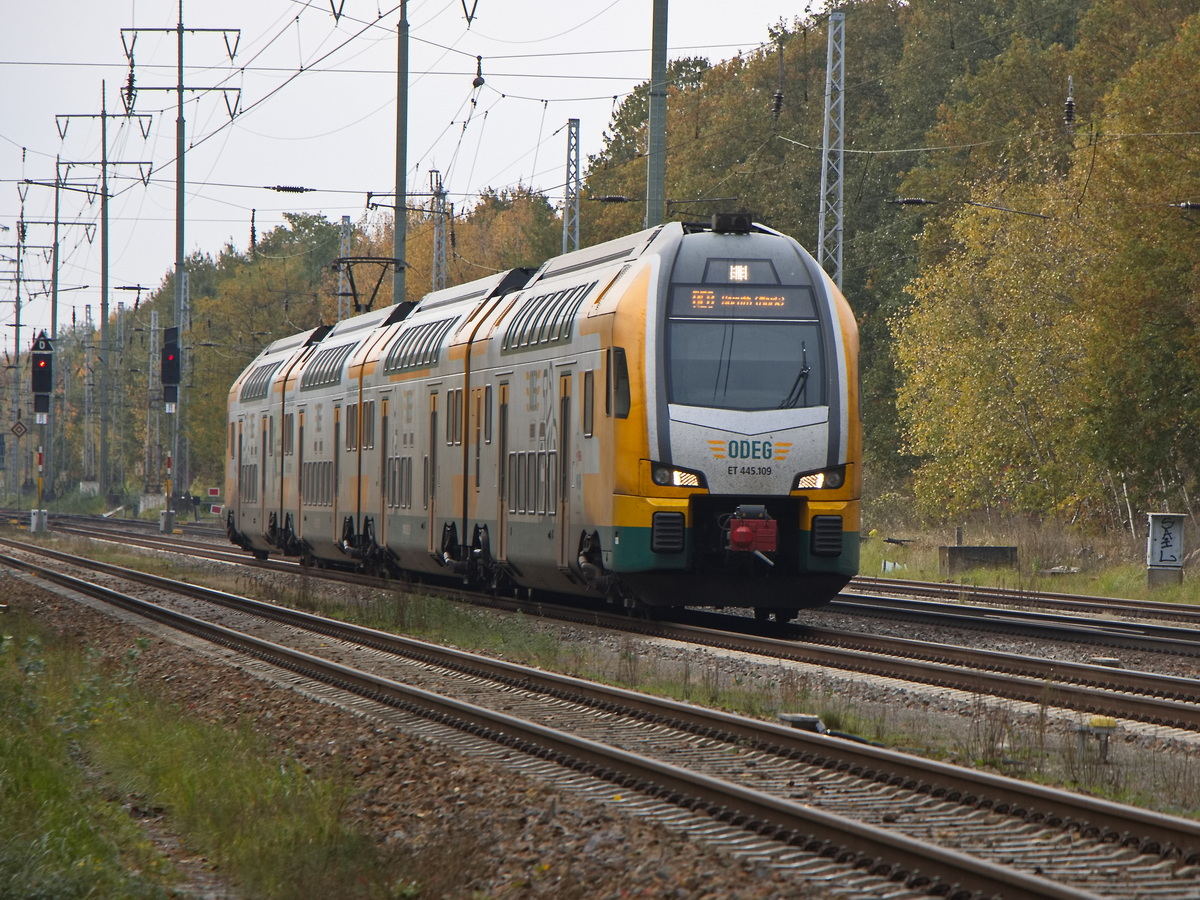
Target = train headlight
(828,479)
(666,476)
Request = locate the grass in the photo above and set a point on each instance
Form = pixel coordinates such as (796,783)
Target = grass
(1050,559)
(63,837)
(78,740)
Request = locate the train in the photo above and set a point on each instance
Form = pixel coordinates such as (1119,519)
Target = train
(667,419)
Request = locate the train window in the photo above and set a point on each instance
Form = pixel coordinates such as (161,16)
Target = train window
(258,385)
(532,494)
(589,405)
(418,346)
(352,426)
(232,439)
(551,482)
(326,367)
(425,482)
(271,436)
(289,436)
(519,496)
(368,425)
(619,383)
(738,271)
(545,319)
(487,414)
(459,409)
(406,482)
(512,482)
(539,325)
(746,365)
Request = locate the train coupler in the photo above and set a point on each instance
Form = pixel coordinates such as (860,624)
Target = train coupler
(752,530)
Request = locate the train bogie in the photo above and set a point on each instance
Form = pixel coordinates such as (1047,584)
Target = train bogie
(669,419)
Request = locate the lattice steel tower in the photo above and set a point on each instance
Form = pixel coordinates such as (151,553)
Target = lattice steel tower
(571,198)
(829,237)
(438,205)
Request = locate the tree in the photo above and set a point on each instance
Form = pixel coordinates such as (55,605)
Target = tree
(990,352)
(1143,296)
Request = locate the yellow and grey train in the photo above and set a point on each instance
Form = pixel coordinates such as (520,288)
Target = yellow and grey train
(667,419)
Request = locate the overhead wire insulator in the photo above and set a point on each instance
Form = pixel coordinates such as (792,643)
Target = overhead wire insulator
(129,92)
(478,82)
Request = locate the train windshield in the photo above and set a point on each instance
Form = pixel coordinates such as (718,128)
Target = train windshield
(744,347)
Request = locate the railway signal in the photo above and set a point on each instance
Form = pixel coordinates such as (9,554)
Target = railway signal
(170,357)
(170,368)
(42,380)
(43,365)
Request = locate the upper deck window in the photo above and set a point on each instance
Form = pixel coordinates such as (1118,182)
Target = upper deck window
(258,385)
(545,319)
(326,367)
(418,346)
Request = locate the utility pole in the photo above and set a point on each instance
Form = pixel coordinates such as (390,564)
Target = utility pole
(829,237)
(59,184)
(400,224)
(656,157)
(63,121)
(182,300)
(15,461)
(571,197)
(153,461)
(89,227)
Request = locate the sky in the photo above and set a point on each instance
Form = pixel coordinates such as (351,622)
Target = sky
(315,108)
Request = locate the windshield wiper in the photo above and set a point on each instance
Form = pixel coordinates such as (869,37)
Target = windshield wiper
(797,390)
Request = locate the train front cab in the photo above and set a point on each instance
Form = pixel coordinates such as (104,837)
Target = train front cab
(747,446)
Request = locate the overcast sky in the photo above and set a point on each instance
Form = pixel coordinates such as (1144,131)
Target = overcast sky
(317,108)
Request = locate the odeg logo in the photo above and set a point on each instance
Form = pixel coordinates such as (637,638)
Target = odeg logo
(750,449)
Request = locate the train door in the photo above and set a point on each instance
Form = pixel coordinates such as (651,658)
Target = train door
(563,474)
(302,482)
(502,478)
(334,489)
(236,499)
(385,471)
(264,452)
(430,473)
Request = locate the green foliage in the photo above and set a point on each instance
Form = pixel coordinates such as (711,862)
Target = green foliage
(273,827)
(990,352)
(62,837)
(1034,366)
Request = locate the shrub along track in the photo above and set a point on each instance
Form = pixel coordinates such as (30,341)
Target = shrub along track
(894,817)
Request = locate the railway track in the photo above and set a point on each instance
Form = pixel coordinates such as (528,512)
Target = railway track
(801,799)
(884,589)
(1093,689)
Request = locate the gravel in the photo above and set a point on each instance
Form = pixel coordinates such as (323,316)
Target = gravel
(475,828)
(471,829)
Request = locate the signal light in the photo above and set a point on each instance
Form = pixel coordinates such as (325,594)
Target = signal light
(43,365)
(170,356)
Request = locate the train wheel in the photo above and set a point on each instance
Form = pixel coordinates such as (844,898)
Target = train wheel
(783,616)
(261,554)
(762,614)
